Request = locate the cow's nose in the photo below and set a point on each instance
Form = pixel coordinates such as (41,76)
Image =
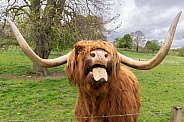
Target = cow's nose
(99,55)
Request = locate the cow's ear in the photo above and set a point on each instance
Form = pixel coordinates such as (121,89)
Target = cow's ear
(71,65)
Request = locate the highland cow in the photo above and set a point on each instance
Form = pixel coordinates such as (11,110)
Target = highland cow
(107,91)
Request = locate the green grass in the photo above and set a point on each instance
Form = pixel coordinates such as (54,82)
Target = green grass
(36,100)
(161,88)
(54,100)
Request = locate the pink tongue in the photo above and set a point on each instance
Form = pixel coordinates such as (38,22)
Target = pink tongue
(100,74)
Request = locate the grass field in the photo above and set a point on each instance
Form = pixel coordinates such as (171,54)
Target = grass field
(53,100)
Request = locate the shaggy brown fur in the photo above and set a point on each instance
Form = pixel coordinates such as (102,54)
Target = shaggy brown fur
(118,96)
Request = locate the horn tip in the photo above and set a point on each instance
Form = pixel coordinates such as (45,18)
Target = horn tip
(179,13)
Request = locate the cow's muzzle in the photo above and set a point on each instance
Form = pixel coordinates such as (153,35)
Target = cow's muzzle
(98,65)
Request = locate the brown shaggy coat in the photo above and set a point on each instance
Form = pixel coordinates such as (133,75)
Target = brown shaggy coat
(117,100)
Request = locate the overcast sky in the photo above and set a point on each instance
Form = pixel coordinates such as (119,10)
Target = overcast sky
(152,17)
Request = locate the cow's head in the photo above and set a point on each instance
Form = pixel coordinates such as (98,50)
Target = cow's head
(92,62)
(95,61)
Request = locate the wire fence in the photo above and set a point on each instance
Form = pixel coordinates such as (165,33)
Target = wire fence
(72,119)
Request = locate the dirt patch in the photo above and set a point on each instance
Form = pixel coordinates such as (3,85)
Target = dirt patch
(52,75)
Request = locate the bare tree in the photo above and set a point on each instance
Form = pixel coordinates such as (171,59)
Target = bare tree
(138,39)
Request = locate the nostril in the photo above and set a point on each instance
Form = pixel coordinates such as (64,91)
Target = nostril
(106,55)
(92,54)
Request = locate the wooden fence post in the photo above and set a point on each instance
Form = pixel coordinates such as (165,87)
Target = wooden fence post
(176,114)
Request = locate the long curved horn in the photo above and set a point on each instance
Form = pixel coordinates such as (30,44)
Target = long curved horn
(47,63)
(157,59)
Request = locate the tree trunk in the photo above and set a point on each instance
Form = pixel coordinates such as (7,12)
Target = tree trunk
(42,50)
(36,69)
(137,46)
